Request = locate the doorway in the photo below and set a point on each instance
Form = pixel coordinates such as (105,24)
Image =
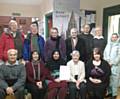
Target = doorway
(48,24)
(111,21)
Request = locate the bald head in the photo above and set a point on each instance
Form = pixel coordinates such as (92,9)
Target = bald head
(74,32)
(86,28)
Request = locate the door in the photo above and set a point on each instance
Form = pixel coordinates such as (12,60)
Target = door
(111,21)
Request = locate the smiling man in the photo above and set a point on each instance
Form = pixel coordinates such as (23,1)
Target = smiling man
(12,76)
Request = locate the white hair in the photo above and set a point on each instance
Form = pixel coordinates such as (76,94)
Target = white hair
(12,50)
(75,52)
(12,21)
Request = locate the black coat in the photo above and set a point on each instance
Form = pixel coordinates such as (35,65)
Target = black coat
(80,46)
(88,39)
(99,43)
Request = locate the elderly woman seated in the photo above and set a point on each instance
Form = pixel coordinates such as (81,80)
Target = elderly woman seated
(77,76)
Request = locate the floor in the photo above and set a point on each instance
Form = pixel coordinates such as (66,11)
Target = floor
(118,97)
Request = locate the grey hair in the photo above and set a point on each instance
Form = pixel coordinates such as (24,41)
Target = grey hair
(73,29)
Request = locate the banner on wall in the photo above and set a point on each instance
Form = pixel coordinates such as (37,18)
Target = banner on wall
(66,16)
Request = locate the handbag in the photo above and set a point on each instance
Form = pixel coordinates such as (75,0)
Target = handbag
(10,97)
(97,72)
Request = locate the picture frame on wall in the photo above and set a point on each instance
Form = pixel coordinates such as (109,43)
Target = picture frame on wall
(87,17)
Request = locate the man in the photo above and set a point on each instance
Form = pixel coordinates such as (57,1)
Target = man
(33,42)
(54,42)
(98,40)
(11,39)
(88,38)
(75,43)
(12,76)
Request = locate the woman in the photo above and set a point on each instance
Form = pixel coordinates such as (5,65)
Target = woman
(56,87)
(35,76)
(98,74)
(112,56)
(77,76)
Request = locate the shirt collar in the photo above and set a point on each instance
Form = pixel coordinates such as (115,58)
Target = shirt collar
(16,63)
(99,37)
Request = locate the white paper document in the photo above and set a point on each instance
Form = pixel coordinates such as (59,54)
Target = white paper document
(64,73)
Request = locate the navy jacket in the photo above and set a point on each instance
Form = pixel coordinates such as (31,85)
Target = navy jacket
(27,47)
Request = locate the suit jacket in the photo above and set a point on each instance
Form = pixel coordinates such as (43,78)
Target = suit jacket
(80,46)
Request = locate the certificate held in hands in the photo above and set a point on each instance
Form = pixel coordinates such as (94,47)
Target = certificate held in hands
(64,73)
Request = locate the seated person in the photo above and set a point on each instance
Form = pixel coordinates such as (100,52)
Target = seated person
(97,74)
(12,76)
(56,87)
(35,76)
(77,76)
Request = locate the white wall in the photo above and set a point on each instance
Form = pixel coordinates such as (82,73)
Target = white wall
(89,4)
(46,6)
(27,10)
(24,10)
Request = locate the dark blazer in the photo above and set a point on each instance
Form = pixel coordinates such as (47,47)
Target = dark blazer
(80,46)
(88,39)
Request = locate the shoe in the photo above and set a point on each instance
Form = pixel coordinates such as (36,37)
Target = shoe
(108,96)
(113,97)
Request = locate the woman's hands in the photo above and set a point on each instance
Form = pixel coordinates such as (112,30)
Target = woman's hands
(57,80)
(96,81)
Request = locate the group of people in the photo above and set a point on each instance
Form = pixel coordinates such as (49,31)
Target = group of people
(33,63)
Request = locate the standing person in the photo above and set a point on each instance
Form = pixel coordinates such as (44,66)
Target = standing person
(75,43)
(88,39)
(97,74)
(34,41)
(24,34)
(10,40)
(77,76)
(112,55)
(12,76)
(98,40)
(55,42)
(35,76)
(56,87)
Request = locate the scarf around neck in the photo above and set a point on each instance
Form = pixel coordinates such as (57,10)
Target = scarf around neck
(34,72)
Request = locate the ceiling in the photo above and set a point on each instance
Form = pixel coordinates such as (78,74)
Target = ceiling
(23,2)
